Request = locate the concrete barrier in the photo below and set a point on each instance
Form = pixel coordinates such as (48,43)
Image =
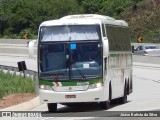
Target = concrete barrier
(14,47)
(14,41)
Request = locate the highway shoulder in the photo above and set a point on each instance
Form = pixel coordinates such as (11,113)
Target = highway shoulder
(24,106)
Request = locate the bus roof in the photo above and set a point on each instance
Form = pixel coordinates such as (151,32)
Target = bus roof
(85,19)
(93,16)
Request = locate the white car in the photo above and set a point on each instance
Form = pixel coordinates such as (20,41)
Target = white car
(147,50)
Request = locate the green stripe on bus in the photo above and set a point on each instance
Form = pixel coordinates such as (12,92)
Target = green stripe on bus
(72,83)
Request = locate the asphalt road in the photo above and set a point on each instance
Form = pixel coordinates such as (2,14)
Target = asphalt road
(146,59)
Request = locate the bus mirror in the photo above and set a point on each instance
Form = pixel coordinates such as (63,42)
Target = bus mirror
(31,48)
(105,48)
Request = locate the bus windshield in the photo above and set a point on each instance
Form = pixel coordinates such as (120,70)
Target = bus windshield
(70,61)
(69,33)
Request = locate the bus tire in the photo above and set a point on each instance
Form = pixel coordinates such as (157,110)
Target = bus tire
(105,105)
(52,107)
(128,86)
(110,92)
(123,99)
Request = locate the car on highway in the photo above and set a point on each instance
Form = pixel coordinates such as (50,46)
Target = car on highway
(147,50)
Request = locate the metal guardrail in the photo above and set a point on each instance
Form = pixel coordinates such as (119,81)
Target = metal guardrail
(28,73)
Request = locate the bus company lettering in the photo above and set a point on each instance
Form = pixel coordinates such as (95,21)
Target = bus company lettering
(82,83)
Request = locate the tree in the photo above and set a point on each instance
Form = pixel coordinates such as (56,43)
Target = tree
(92,6)
(115,7)
(26,15)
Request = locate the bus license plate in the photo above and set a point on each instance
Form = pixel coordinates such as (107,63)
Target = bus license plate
(70,96)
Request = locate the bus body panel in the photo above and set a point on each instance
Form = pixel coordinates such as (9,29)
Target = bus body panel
(119,75)
(91,95)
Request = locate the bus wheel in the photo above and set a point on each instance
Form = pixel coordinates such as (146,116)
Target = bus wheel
(52,107)
(123,99)
(105,105)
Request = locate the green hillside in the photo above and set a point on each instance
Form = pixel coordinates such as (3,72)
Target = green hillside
(144,20)
(18,17)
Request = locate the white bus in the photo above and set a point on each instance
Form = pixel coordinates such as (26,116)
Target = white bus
(82,59)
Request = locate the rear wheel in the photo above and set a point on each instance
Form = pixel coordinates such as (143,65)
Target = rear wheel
(52,107)
(123,99)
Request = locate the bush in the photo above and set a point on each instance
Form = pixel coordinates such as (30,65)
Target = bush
(11,83)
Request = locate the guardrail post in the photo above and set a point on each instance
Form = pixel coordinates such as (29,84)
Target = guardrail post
(30,75)
(36,84)
(8,70)
(20,73)
(14,72)
(2,68)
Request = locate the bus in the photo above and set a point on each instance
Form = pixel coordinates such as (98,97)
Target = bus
(84,58)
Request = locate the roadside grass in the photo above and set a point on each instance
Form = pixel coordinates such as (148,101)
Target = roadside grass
(11,83)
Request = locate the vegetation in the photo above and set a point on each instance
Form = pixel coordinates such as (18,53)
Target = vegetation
(18,17)
(14,84)
(144,20)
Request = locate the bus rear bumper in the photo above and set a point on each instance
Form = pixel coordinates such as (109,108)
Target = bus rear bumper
(91,95)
